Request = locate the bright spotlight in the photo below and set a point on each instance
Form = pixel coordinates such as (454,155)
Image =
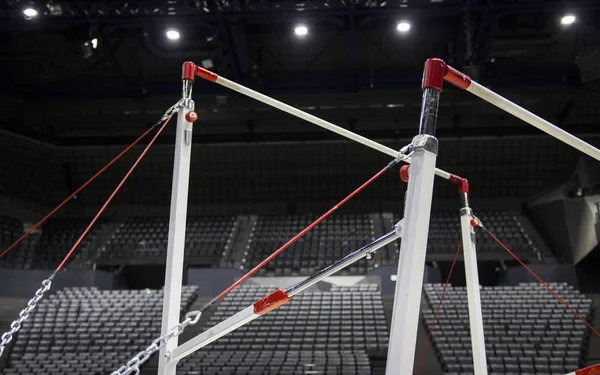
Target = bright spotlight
(403,26)
(569,19)
(94,43)
(173,34)
(301,30)
(30,12)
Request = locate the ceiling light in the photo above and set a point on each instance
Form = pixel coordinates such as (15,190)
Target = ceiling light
(207,63)
(569,19)
(94,43)
(301,30)
(30,12)
(403,26)
(173,34)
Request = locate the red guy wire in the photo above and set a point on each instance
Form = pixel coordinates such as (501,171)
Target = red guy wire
(558,297)
(302,233)
(76,192)
(437,310)
(110,198)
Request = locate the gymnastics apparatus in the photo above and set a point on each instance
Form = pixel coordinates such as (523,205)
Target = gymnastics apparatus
(421,154)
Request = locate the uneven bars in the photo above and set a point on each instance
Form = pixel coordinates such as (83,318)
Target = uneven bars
(213,77)
(436,67)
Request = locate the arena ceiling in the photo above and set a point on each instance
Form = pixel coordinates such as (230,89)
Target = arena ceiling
(97,72)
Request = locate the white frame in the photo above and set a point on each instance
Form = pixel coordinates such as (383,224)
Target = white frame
(411,263)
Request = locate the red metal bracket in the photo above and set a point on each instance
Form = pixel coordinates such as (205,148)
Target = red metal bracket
(463,183)
(188,71)
(433,74)
(271,302)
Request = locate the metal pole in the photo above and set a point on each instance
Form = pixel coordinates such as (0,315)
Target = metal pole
(177,223)
(411,265)
(473,295)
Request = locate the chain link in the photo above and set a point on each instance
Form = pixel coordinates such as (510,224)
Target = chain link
(133,365)
(15,326)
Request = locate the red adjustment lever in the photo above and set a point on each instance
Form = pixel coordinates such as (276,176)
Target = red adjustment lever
(404,173)
(191,116)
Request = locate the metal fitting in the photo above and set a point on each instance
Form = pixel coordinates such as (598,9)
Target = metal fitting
(425,142)
(466,211)
(187,103)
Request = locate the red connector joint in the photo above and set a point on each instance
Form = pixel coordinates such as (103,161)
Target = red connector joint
(457,78)
(463,183)
(206,74)
(271,302)
(188,71)
(434,73)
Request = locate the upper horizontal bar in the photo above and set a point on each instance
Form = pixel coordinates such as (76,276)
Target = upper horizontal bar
(213,77)
(436,71)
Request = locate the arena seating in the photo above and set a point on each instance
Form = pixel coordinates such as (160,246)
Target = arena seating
(88,331)
(275,362)
(527,330)
(445,235)
(327,242)
(144,240)
(22,255)
(331,332)
(59,235)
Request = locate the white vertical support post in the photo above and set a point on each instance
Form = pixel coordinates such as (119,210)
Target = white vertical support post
(417,211)
(177,226)
(473,295)
(411,265)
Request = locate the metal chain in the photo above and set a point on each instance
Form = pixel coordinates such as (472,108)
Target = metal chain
(133,365)
(15,326)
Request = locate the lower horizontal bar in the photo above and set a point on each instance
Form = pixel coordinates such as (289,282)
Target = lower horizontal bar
(274,300)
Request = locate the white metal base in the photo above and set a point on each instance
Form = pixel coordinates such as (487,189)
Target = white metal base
(411,265)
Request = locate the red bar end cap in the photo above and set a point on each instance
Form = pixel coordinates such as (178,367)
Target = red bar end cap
(458,79)
(404,173)
(433,75)
(271,302)
(206,74)
(188,71)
